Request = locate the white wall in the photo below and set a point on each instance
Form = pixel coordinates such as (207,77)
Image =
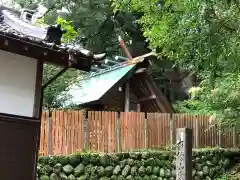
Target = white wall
(17,84)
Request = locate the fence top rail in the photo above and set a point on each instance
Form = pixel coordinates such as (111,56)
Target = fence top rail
(134,112)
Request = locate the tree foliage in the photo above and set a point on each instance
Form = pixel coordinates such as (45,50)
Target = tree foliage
(97,24)
(201,37)
(91,23)
(55,95)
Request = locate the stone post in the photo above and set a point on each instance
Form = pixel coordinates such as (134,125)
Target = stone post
(184,154)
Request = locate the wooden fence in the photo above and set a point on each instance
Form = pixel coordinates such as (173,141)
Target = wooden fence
(65,132)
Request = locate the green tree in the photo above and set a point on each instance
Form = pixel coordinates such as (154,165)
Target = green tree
(93,24)
(201,37)
(98,26)
(55,95)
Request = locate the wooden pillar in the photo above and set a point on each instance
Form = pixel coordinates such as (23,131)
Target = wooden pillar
(127,97)
(138,107)
(184,154)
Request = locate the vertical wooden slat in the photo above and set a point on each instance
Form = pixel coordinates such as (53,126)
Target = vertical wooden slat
(42,139)
(63,149)
(105,131)
(91,130)
(150,130)
(71,135)
(137,119)
(68,131)
(74,124)
(93,135)
(127,127)
(108,124)
(81,133)
(128,130)
(100,132)
(54,134)
(57,141)
(60,132)
(111,128)
(164,142)
(115,114)
(144,131)
(114,130)
(46,132)
(110,131)
(202,132)
(96,130)
(79,130)
(138,129)
(133,123)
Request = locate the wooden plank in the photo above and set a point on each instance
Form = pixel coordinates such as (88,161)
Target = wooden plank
(59,135)
(79,130)
(46,129)
(54,135)
(141,131)
(150,129)
(127,96)
(90,129)
(105,131)
(108,124)
(138,131)
(114,131)
(41,151)
(101,132)
(96,120)
(74,145)
(79,119)
(65,133)
(68,131)
(71,134)
(127,129)
(111,134)
(164,126)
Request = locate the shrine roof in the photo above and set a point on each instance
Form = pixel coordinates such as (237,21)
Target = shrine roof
(44,43)
(92,87)
(101,81)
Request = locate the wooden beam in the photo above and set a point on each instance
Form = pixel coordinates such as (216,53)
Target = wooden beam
(141,70)
(38,91)
(147,98)
(127,97)
(54,78)
(160,105)
(124,47)
(138,107)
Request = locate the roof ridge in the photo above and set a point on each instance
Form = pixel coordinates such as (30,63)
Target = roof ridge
(106,70)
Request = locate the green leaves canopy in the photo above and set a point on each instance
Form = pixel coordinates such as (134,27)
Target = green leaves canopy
(55,95)
(201,37)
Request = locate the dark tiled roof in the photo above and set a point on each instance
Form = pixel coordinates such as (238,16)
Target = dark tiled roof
(23,38)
